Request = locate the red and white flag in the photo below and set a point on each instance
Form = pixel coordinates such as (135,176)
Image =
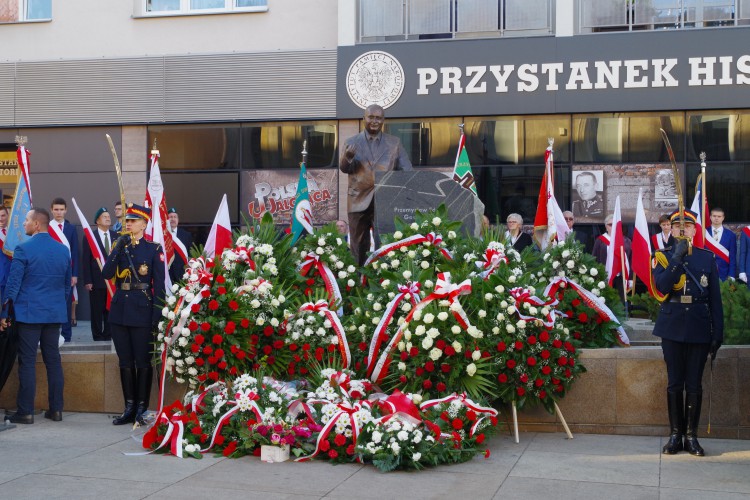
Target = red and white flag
(96,252)
(549,222)
(704,238)
(220,236)
(641,245)
(616,249)
(156,230)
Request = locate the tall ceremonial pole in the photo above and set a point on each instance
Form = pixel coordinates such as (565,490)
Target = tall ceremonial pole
(704,194)
(678,185)
(119,181)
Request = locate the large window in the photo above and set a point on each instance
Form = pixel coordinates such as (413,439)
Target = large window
(25,10)
(203,6)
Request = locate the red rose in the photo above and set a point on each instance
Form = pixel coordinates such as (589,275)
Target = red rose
(520,391)
(217,339)
(192,326)
(539,382)
(267,349)
(233,305)
(501,346)
(339,440)
(544,354)
(562,361)
(440,344)
(419,371)
(511,363)
(333,454)
(213,305)
(518,345)
(413,352)
(363,346)
(502,378)
(445,368)
(546,370)
(278,344)
(402,379)
(268,331)
(583,317)
(219,353)
(542,394)
(449,350)
(222,365)
(544,336)
(457,424)
(576,302)
(427,384)
(208,349)
(531,340)
(195,308)
(556,343)
(404,356)
(240,355)
(221,290)
(229,329)
(205,326)
(199,361)
(325,445)
(213,376)
(429,366)
(199,339)
(531,361)
(305,347)
(245,322)
(524,378)
(440,387)
(471,415)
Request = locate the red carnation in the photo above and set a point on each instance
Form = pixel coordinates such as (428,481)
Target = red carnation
(480,438)
(562,361)
(254,339)
(429,366)
(546,370)
(544,354)
(520,391)
(471,415)
(576,302)
(305,347)
(556,343)
(219,353)
(404,356)
(559,388)
(511,363)
(199,361)
(440,344)
(419,371)
(221,290)
(240,355)
(217,339)
(192,326)
(413,352)
(195,308)
(531,340)
(219,440)
(544,336)
(501,346)
(449,350)
(325,445)
(539,382)
(267,349)
(199,339)
(583,317)
(205,326)
(524,378)
(531,361)
(333,454)
(319,353)
(231,447)
(457,424)
(569,347)
(339,440)
(245,322)
(363,346)
(440,387)
(233,305)
(542,394)
(229,329)
(445,368)
(278,344)
(208,349)
(350,450)
(213,305)
(555,381)
(502,378)
(220,279)
(518,345)
(402,379)
(222,365)
(270,360)
(487,453)
(213,376)
(268,331)
(568,373)
(310,282)
(293,347)
(427,384)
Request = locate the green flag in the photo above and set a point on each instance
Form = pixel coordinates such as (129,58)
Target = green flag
(302,216)
(462,170)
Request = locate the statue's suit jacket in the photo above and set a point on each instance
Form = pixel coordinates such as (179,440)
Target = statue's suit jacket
(382,155)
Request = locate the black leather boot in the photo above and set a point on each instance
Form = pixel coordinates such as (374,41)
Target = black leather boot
(145,375)
(692,417)
(676,424)
(127,380)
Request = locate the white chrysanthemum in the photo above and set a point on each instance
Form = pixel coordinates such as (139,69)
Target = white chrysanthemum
(377,306)
(593,271)
(601,285)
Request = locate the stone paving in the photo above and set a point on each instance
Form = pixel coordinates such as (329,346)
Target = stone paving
(83,457)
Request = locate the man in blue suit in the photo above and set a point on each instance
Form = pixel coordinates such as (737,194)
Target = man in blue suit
(39,290)
(59,209)
(744,260)
(728,240)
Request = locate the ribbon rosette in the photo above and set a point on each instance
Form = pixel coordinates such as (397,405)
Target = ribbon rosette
(344,408)
(492,260)
(444,290)
(482,412)
(591,300)
(338,328)
(174,417)
(244,254)
(329,279)
(432,238)
(523,296)
(397,406)
(243,401)
(411,291)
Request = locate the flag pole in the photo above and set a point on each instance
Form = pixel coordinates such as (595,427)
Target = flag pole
(304,152)
(704,196)
(624,281)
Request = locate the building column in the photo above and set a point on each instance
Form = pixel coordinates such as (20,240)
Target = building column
(135,150)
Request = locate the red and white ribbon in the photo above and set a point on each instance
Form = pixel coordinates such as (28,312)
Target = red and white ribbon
(226,417)
(174,418)
(444,289)
(482,412)
(591,301)
(311,261)
(338,328)
(244,254)
(410,291)
(523,296)
(432,238)
(492,260)
(345,408)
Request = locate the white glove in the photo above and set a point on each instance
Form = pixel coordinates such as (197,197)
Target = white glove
(743,277)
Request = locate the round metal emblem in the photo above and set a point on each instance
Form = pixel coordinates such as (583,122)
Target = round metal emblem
(375,77)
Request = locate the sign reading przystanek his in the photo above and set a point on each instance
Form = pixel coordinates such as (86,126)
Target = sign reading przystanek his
(661,70)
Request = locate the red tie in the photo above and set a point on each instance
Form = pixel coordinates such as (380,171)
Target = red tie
(60,226)
(5,232)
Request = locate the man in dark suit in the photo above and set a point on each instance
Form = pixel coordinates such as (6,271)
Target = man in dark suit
(104,238)
(39,290)
(177,268)
(579,236)
(117,226)
(691,326)
(368,152)
(727,239)
(59,209)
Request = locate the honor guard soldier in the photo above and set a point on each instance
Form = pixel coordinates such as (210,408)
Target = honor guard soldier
(690,324)
(138,268)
